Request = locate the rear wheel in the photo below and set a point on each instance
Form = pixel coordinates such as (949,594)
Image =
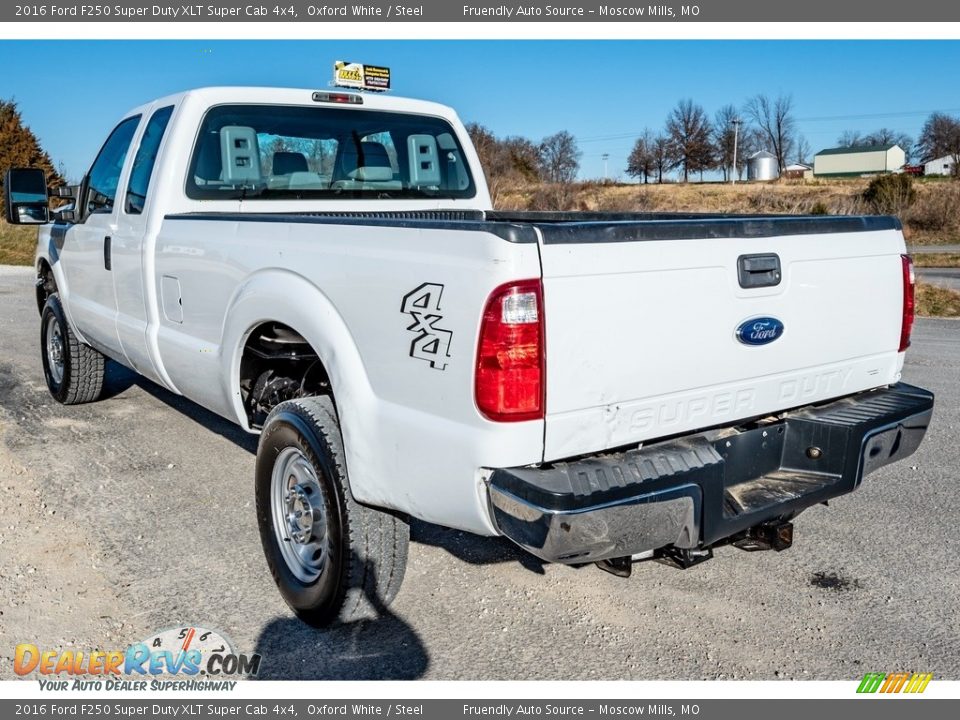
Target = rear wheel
(333,559)
(73,371)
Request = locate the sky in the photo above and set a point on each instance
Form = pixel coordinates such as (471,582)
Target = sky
(71,93)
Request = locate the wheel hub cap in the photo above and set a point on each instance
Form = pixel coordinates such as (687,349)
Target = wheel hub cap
(55,350)
(299,515)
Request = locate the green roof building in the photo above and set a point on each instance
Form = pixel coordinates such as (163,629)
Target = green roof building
(858,160)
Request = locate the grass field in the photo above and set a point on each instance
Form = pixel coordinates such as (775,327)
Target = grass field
(936,260)
(17,244)
(932,219)
(935,301)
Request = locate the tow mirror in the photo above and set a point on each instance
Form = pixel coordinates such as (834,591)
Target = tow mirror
(25,196)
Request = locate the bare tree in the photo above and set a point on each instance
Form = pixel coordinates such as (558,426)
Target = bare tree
(941,137)
(724,138)
(661,155)
(802,151)
(751,141)
(689,131)
(883,136)
(886,136)
(774,118)
(850,138)
(560,157)
(506,163)
(523,157)
(488,150)
(642,161)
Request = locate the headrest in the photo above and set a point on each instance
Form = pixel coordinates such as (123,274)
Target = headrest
(372,174)
(285,163)
(370,163)
(209,160)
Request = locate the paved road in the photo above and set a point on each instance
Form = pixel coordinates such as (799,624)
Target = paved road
(915,249)
(944,277)
(135,514)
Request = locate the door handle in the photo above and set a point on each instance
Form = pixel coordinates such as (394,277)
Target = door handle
(106,253)
(757,271)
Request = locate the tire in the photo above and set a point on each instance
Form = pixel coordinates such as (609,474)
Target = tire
(73,371)
(338,561)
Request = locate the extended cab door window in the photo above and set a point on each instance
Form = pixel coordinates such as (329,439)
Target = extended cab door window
(104,177)
(145,159)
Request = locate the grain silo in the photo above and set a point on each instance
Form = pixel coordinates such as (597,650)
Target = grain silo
(762,166)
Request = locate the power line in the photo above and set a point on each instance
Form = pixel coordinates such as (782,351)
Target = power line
(823,118)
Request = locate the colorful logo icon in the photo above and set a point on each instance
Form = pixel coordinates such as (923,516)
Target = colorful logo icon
(899,682)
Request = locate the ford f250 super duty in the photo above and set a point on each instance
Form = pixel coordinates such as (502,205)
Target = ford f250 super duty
(325,269)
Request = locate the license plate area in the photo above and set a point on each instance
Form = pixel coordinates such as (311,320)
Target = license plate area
(778,463)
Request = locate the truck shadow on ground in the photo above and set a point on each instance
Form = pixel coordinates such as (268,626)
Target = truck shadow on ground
(118,379)
(473,549)
(469,548)
(383,647)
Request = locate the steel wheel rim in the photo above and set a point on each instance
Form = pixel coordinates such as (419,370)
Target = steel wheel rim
(299,515)
(55,362)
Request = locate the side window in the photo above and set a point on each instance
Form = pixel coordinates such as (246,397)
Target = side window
(145,159)
(104,176)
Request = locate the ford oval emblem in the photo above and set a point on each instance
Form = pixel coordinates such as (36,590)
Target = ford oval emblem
(759,331)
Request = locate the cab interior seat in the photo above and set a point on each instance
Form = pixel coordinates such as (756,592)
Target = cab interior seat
(367,167)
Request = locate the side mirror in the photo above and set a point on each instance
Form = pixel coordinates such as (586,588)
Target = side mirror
(25,196)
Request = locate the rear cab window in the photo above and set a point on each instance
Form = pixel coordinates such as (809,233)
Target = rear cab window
(301,152)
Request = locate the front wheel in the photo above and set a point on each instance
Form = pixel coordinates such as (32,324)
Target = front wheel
(332,558)
(73,371)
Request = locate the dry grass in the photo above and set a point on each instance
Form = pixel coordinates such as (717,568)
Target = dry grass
(17,244)
(932,219)
(936,260)
(935,301)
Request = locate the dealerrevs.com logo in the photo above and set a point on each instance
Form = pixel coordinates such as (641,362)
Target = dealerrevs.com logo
(184,658)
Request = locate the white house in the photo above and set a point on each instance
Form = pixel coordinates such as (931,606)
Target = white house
(940,166)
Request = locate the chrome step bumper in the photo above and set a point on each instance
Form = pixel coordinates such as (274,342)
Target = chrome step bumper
(700,489)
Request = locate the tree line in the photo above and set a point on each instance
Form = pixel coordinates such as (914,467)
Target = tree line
(693,143)
(20,148)
(690,142)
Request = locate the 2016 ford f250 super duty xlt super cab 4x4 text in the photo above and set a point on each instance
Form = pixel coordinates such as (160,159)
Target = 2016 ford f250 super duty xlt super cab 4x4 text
(325,269)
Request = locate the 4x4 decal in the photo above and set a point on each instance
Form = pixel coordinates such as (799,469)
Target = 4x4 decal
(431,343)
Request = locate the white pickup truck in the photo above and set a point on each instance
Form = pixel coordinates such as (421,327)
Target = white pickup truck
(325,269)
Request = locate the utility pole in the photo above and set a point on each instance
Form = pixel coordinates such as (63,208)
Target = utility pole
(736,136)
(605,156)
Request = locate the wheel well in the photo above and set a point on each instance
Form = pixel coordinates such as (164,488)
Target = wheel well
(46,284)
(278,364)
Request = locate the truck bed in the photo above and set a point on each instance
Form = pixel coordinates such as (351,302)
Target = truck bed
(643,309)
(580,227)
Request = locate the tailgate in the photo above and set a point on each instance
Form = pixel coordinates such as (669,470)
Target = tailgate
(642,321)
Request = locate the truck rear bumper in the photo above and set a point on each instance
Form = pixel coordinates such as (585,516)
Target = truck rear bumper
(697,490)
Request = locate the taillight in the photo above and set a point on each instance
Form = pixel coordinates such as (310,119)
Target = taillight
(511,358)
(909,302)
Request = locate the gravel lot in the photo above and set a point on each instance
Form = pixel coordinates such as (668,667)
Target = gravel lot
(135,514)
